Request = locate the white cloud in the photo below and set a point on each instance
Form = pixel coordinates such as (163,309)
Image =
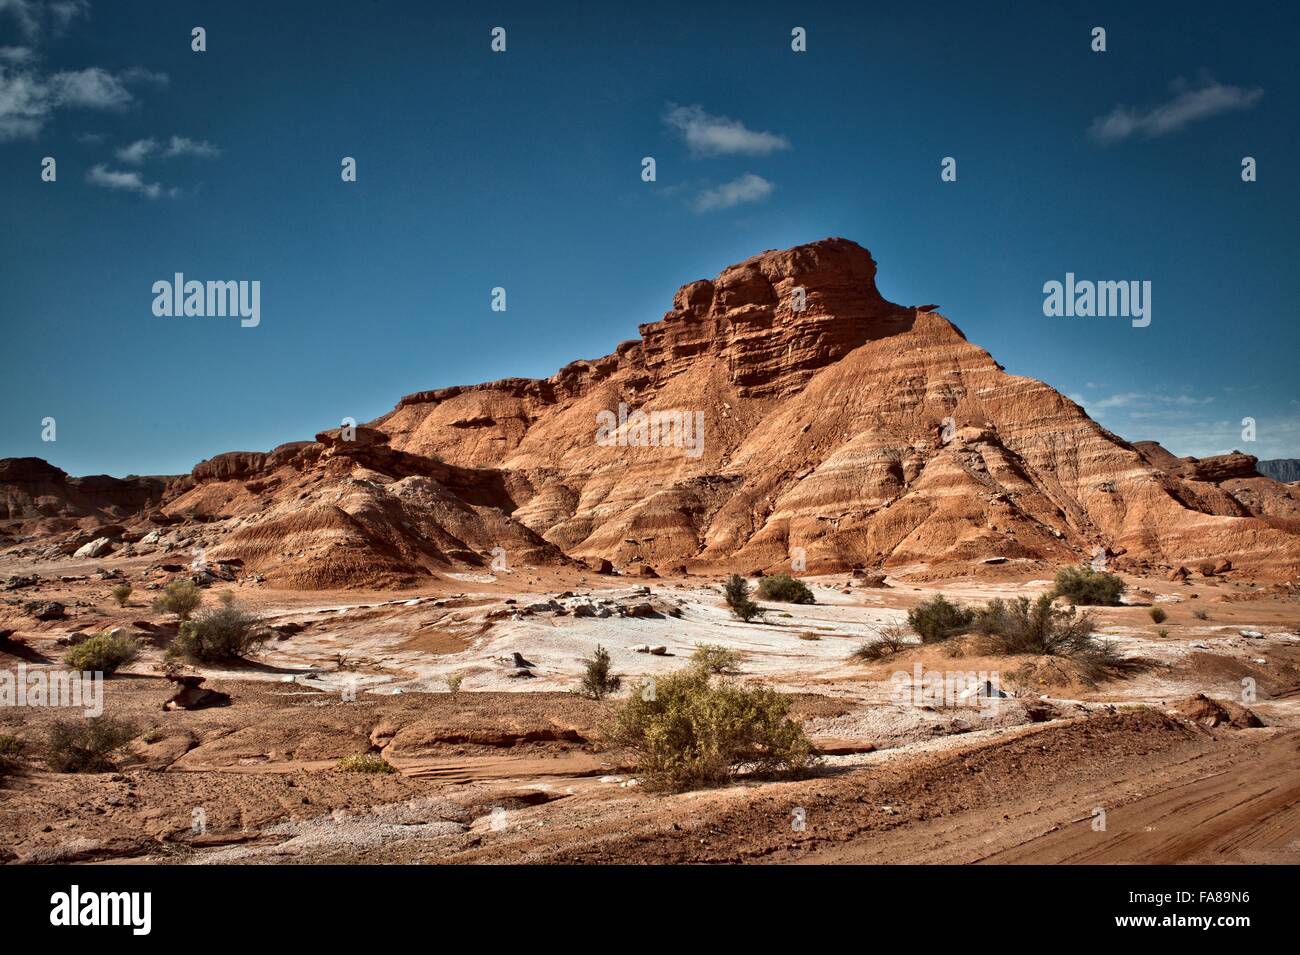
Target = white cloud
(708,135)
(181,146)
(747,188)
(36,17)
(91,88)
(138,151)
(1190,104)
(28,98)
(101,175)
(17,55)
(1144,400)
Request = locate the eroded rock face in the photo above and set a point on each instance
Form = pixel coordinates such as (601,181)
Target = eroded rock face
(34,494)
(849,432)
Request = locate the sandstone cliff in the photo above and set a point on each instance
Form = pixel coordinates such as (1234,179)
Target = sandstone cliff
(837,428)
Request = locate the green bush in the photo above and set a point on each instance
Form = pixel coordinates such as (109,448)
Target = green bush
(597,681)
(1043,629)
(1158,615)
(121,593)
(785,589)
(1087,587)
(85,746)
(736,590)
(712,658)
(366,763)
(937,619)
(226,633)
(180,597)
(692,731)
(102,653)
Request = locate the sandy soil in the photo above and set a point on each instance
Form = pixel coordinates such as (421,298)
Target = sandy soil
(510,768)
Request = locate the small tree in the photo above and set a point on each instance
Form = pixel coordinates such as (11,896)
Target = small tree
(180,597)
(736,590)
(121,593)
(712,658)
(785,589)
(1158,615)
(597,681)
(938,619)
(102,653)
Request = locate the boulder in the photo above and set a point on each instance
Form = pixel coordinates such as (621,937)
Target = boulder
(96,548)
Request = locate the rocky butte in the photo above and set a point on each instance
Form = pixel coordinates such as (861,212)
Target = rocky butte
(851,432)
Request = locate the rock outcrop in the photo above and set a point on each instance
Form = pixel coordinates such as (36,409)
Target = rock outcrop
(781,411)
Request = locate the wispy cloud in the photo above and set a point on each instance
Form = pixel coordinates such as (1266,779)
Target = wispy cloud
(137,152)
(17,55)
(746,188)
(30,95)
(181,146)
(127,181)
(28,98)
(37,17)
(708,135)
(1190,103)
(1145,400)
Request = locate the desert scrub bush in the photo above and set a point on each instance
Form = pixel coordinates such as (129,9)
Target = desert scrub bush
(1158,615)
(102,653)
(597,681)
(1043,629)
(736,590)
(1086,587)
(227,633)
(809,635)
(695,730)
(712,658)
(1201,614)
(892,640)
(86,746)
(785,589)
(454,681)
(1162,632)
(180,597)
(366,763)
(938,619)
(121,593)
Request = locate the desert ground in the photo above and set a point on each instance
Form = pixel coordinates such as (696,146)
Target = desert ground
(511,768)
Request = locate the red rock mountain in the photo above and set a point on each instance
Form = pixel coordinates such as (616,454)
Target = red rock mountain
(849,431)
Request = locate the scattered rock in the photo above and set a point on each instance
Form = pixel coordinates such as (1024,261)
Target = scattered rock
(192,695)
(45,609)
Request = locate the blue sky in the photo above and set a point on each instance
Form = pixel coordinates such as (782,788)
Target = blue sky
(522,170)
